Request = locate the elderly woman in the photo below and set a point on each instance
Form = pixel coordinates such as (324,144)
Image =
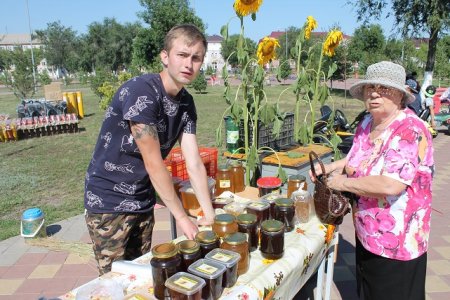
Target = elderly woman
(389,168)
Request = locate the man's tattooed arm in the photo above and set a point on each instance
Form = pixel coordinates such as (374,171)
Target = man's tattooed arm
(140,130)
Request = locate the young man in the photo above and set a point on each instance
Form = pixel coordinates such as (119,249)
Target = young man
(147,116)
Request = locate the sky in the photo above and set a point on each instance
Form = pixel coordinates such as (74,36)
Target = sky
(274,15)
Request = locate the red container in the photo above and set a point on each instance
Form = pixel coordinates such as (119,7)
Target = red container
(268,185)
(177,166)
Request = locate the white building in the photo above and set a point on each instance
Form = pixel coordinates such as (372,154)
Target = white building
(213,56)
(12,41)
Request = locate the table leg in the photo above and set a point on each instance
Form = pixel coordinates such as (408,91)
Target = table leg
(330,271)
(320,275)
(173,227)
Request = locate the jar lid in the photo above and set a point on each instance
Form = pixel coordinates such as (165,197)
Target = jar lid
(207,269)
(236,238)
(284,202)
(206,236)
(270,198)
(224,168)
(165,250)
(258,205)
(227,257)
(185,283)
(297,178)
(32,214)
(268,182)
(188,246)
(224,219)
(272,225)
(246,219)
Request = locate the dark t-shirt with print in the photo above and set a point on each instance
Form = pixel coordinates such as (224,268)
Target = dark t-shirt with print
(116,179)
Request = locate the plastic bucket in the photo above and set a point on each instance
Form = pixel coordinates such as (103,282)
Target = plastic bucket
(32,223)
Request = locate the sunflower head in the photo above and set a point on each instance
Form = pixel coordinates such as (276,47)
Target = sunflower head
(310,25)
(245,7)
(333,39)
(266,50)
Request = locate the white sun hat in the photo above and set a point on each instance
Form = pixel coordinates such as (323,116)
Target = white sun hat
(384,73)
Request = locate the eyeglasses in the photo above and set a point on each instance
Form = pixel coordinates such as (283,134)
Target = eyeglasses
(381,90)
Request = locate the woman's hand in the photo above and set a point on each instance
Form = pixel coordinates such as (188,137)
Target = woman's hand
(188,227)
(329,168)
(336,182)
(205,221)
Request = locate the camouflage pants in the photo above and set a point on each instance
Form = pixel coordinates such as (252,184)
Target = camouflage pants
(119,236)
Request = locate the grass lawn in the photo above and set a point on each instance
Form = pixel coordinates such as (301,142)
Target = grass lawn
(48,172)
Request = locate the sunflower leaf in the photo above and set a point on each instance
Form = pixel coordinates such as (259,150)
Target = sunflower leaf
(253,16)
(219,136)
(224,32)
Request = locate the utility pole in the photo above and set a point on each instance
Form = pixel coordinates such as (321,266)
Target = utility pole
(31,45)
(286,44)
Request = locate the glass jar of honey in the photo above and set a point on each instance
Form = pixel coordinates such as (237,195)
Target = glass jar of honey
(270,198)
(237,177)
(207,240)
(296,182)
(189,251)
(272,239)
(285,212)
(261,209)
(248,223)
(224,224)
(165,262)
(223,180)
(228,258)
(237,242)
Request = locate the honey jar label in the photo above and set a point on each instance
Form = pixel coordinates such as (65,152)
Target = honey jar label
(257,205)
(222,257)
(187,283)
(205,268)
(225,183)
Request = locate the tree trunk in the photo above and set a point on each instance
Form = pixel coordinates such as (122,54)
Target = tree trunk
(431,57)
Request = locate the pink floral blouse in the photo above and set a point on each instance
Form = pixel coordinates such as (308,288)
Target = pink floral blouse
(398,226)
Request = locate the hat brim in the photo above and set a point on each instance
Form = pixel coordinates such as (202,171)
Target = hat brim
(356,90)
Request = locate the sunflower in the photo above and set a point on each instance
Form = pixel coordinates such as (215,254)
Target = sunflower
(266,50)
(245,7)
(332,41)
(310,25)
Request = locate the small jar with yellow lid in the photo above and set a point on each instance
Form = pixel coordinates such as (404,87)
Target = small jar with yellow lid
(207,240)
(224,224)
(165,262)
(272,239)
(285,212)
(189,251)
(237,242)
(248,223)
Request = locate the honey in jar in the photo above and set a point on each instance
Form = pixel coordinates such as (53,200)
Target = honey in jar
(165,262)
(248,224)
(272,239)
(302,202)
(235,208)
(224,224)
(189,251)
(270,198)
(223,180)
(189,199)
(207,240)
(237,242)
(285,212)
(237,177)
(185,286)
(212,272)
(296,182)
(228,258)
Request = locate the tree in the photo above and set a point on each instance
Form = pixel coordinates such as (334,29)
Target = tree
(59,43)
(229,47)
(367,45)
(284,70)
(442,67)
(413,17)
(21,80)
(199,84)
(109,44)
(161,15)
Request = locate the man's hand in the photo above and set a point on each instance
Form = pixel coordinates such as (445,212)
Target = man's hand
(188,227)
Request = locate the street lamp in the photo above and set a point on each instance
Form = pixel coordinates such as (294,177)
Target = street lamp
(31,45)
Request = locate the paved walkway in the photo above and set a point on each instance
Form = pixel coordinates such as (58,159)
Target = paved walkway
(29,272)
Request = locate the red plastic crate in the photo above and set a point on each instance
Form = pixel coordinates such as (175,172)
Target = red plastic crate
(177,166)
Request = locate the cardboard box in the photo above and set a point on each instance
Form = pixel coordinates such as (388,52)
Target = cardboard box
(53,91)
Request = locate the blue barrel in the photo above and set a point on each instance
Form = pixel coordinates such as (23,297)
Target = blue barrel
(32,223)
